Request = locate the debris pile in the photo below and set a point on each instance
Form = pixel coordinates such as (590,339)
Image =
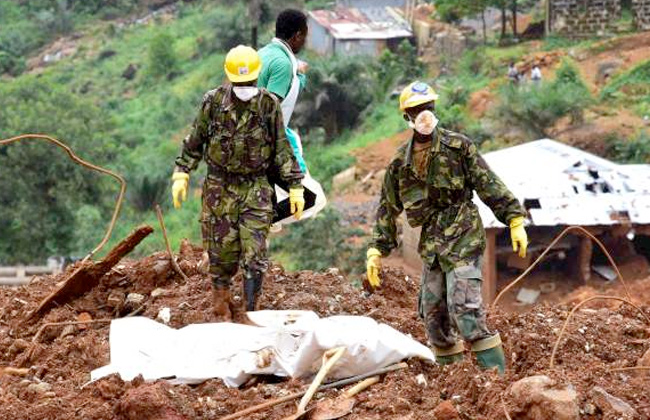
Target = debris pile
(45,375)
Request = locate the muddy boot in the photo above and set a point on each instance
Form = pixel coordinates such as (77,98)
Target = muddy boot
(252,289)
(489,353)
(221,304)
(449,355)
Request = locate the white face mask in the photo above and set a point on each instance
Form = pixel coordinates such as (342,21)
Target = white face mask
(424,123)
(245,93)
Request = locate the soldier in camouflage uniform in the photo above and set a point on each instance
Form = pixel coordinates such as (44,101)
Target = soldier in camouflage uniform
(240,134)
(432,178)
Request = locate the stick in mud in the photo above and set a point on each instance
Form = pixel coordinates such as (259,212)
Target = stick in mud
(88,275)
(174,263)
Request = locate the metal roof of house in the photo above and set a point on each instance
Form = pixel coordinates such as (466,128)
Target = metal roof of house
(562,185)
(366,23)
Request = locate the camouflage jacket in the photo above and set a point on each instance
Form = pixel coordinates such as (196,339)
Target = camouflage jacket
(240,138)
(452,231)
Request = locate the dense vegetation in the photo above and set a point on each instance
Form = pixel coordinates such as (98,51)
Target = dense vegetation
(124,100)
(127,94)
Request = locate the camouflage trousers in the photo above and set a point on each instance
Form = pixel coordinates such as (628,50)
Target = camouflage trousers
(235,222)
(450,303)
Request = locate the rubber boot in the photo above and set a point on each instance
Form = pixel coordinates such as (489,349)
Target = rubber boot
(489,353)
(252,289)
(449,355)
(221,303)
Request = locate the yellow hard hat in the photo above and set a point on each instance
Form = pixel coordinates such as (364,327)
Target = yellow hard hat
(417,93)
(242,64)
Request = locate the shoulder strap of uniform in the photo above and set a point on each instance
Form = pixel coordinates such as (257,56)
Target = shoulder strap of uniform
(452,139)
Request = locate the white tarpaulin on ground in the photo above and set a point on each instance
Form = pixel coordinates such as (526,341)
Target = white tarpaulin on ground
(284,343)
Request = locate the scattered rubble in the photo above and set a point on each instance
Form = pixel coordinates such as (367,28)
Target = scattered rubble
(446,411)
(609,404)
(537,398)
(617,336)
(528,296)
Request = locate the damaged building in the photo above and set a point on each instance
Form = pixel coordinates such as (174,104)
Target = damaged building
(562,186)
(357,31)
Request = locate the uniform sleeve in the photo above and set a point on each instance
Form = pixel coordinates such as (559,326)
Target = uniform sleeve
(384,236)
(194,143)
(285,162)
(280,78)
(489,187)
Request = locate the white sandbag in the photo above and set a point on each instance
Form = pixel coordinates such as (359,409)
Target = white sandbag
(285,343)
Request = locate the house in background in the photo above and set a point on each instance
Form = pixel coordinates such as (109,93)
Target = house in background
(352,30)
(562,186)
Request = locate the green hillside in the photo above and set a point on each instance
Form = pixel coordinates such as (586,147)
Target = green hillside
(131,126)
(126,93)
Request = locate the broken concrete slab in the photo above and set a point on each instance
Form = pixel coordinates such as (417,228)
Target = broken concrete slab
(528,296)
(605,272)
(610,404)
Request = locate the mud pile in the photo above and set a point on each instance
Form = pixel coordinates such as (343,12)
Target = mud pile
(56,365)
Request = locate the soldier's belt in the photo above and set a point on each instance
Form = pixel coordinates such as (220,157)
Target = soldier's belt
(218,174)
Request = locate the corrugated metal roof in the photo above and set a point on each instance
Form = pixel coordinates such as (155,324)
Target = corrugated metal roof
(366,23)
(562,185)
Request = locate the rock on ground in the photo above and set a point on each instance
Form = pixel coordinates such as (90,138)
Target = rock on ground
(536,399)
(610,404)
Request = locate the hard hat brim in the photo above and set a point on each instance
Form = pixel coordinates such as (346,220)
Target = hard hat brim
(241,78)
(419,100)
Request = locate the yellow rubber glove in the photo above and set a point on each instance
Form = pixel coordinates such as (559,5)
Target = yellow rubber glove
(297,201)
(179,188)
(518,236)
(373,265)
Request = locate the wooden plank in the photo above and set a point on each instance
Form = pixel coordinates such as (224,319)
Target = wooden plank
(490,267)
(585,251)
(88,274)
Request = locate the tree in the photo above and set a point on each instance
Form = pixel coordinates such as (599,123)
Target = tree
(536,109)
(162,58)
(455,10)
(336,95)
(231,27)
(396,68)
(58,20)
(40,187)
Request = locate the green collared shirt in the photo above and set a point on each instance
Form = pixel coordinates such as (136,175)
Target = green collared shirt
(276,75)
